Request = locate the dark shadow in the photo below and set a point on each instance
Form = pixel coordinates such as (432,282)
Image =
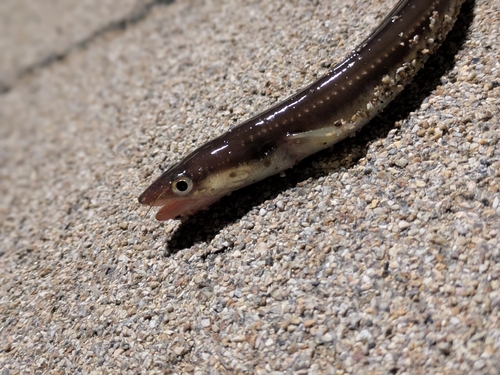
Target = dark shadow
(205,225)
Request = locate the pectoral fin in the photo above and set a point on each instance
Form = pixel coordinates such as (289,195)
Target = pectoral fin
(312,141)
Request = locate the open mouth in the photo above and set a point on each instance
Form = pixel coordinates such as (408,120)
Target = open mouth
(179,208)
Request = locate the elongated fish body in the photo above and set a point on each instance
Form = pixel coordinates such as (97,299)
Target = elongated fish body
(322,114)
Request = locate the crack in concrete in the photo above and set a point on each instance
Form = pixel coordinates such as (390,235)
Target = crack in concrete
(134,17)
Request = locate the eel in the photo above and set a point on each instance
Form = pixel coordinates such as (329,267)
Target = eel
(334,107)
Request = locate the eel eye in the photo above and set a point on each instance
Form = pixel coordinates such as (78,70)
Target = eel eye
(182,185)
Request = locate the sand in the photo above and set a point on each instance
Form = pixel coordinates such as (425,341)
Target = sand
(378,256)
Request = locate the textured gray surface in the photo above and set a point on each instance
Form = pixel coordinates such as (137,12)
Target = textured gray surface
(35,33)
(379,256)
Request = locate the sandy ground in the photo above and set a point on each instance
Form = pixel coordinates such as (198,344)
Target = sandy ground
(379,256)
(34,34)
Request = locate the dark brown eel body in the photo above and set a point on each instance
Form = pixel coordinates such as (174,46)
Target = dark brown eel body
(322,114)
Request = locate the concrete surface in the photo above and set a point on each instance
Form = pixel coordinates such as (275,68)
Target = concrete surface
(378,256)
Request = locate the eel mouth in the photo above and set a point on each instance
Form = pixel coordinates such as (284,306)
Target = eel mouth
(181,208)
(176,207)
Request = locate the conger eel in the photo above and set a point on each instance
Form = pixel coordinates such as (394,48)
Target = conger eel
(322,114)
